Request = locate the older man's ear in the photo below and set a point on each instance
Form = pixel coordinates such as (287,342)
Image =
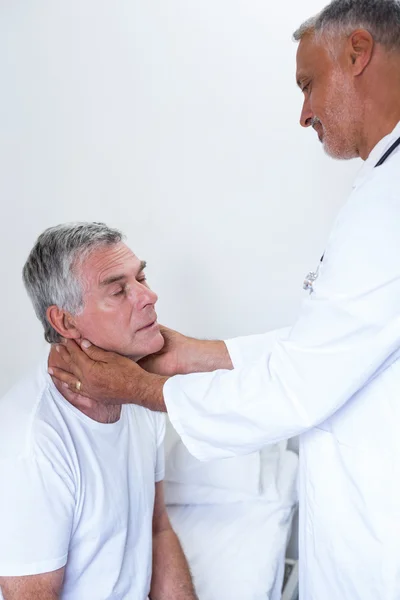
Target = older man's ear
(62,322)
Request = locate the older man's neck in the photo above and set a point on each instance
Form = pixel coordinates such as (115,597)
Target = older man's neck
(101,413)
(104,414)
(109,413)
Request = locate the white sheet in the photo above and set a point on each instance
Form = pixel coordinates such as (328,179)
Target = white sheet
(238,474)
(236,551)
(225,481)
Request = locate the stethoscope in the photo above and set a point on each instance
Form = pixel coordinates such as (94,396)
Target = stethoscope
(312,275)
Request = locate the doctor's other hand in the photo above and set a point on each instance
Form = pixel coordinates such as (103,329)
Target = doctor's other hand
(90,372)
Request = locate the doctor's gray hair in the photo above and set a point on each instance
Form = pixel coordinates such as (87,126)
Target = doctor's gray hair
(380,17)
(50,273)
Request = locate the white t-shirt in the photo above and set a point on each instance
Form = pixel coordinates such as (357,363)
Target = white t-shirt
(78,493)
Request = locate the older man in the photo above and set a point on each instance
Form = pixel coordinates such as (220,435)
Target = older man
(335,376)
(82,514)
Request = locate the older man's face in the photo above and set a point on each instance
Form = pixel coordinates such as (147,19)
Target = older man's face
(330,101)
(119,307)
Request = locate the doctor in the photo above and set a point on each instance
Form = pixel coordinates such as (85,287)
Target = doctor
(334,377)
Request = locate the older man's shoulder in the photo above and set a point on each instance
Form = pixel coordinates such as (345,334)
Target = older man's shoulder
(19,410)
(154,421)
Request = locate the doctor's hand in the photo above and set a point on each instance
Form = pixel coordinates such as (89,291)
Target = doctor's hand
(174,356)
(106,377)
(181,355)
(76,399)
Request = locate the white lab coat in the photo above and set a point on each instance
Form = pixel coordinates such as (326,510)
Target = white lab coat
(334,378)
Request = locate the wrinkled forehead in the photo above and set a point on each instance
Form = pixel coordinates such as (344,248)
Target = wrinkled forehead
(312,57)
(107,260)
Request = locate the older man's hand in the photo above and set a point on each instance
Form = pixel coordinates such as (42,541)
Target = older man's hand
(106,376)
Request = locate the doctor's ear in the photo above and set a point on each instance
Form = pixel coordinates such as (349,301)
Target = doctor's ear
(360,46)
(62,322)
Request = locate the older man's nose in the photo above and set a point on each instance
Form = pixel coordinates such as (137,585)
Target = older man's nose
(146,296)
(306,115)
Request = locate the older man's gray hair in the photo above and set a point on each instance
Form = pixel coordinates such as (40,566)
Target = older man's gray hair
(380,17)
(51,273)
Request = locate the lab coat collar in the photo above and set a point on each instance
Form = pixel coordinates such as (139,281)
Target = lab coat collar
(375,154)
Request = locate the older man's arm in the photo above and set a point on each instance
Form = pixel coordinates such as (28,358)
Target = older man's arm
(45,586)
(171,578)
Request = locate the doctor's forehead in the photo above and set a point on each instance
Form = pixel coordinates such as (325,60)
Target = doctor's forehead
(310,58)
(304,57)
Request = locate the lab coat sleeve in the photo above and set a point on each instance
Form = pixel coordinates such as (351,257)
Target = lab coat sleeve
(347,333)
(248,349)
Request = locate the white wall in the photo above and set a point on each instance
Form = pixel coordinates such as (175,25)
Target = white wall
(176,121)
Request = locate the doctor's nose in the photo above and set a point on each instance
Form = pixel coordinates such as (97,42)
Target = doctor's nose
(306,116)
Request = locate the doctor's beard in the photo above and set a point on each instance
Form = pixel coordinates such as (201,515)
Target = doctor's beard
(340,123)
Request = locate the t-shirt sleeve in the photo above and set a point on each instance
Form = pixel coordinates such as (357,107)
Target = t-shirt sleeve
(36,515)
(160,458)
